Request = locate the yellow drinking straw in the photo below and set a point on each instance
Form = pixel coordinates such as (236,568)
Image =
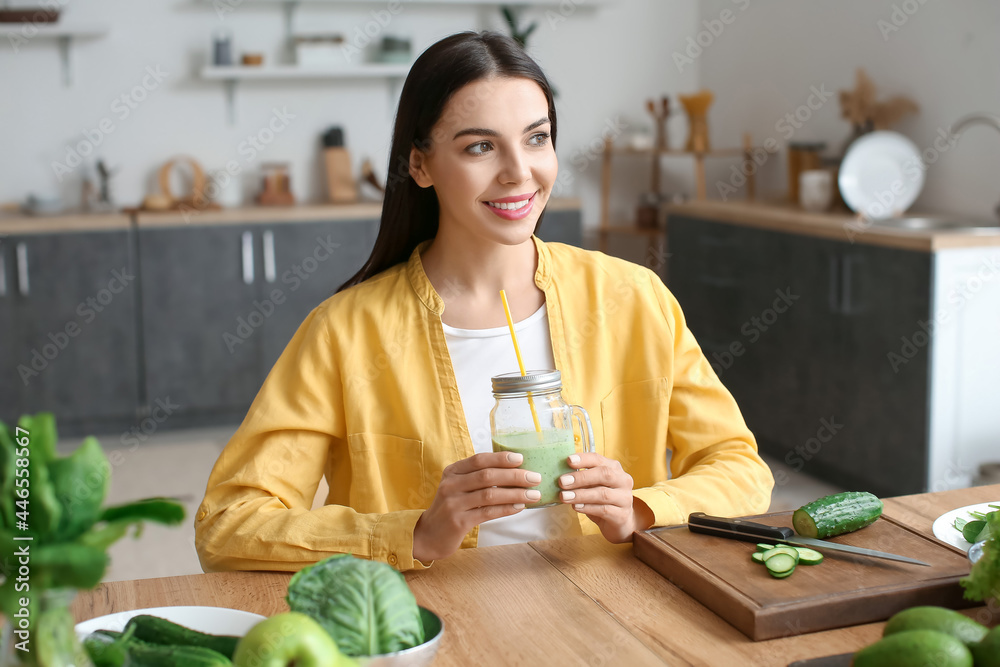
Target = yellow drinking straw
(520,362)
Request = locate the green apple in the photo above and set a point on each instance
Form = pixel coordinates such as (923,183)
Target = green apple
(289,639)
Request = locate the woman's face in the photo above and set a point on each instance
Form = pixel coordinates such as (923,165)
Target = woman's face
(491,143)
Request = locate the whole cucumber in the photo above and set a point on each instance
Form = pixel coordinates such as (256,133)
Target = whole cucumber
(837,514)
(156,630)
(142,654)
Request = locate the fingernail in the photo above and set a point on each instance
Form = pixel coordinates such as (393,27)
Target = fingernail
(533,477)
(568,495)
(574,460)
(566,480)
(514,457)
(532,494)
(578,506)
(519,506)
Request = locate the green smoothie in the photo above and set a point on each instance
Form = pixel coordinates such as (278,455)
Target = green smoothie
(544,453)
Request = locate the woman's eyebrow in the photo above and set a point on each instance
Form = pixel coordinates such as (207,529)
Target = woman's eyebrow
(483,132)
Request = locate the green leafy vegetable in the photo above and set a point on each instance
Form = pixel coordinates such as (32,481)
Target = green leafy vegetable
(365,605)
(59,505)
(983,581)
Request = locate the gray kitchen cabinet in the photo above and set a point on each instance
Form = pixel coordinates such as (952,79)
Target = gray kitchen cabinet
(199,285)
(799,328)
(304,264)
(221,303)
(68,320)
(561,226)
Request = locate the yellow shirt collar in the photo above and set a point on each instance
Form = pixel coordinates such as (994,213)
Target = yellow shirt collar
(433,301)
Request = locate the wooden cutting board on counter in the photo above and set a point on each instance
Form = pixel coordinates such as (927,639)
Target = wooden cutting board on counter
(843,590)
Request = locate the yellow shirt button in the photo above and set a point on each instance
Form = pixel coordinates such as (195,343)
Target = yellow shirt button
(392,559)
(202,514)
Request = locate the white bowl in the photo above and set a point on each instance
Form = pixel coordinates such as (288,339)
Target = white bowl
(418,656)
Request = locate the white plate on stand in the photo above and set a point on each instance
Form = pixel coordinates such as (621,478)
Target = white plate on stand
(881,175)
(945,531)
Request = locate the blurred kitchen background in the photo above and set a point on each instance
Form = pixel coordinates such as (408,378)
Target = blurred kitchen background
(183,181)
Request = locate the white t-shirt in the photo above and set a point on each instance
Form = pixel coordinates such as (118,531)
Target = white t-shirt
(477,355)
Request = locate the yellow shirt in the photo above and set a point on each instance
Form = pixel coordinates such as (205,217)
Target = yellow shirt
(365,393)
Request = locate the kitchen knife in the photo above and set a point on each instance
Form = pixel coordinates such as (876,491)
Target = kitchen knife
(748,531)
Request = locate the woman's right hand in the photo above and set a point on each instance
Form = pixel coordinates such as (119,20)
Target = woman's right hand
(473,490)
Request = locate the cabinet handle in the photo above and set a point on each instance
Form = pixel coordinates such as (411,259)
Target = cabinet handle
(269,270)
(22,269)
(3,271)
(248,258)
(847,300)
(835,284)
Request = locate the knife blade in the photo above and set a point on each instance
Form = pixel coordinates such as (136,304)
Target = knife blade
(748,531)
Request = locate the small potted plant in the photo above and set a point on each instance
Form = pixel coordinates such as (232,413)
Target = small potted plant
(54,533)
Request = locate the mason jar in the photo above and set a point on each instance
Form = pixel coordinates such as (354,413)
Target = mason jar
(531,418)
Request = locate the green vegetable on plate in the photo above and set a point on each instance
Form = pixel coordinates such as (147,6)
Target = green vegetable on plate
(366,606)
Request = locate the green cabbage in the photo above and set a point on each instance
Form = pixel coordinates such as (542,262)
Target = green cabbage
(365,605)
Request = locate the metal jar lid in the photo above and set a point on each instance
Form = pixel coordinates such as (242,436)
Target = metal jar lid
(515,383)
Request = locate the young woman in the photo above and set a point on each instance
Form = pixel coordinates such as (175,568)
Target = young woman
(385,387)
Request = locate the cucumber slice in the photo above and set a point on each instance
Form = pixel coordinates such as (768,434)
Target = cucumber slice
(778,551)
(780,564)
(809,556)
(764,547)
(757,556)
(781,575)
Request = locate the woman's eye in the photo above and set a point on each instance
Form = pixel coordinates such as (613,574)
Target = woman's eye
(542,138)
(473,148)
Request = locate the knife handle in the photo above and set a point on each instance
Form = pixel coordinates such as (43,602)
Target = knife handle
(699,522)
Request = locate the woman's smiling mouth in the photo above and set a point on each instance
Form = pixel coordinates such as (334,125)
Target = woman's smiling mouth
(512,208)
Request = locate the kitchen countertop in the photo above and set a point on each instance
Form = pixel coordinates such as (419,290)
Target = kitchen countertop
(839,226)
(570,601)
(22,224)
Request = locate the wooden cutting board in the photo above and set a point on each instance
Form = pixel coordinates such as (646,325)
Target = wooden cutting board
(845,589)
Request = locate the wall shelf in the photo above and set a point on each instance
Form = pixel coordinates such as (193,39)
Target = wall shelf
(64,33)
(231,75)
(656,235)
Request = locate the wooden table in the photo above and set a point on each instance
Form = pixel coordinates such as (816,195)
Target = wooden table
(574,601)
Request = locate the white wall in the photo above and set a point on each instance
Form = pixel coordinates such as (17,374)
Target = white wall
(945,55)
(604,61)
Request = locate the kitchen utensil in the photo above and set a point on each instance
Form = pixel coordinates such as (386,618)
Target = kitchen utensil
(844,590)
(214,620)
(748,531)
(816,189)
(881,175)
(340,184)
(944,529)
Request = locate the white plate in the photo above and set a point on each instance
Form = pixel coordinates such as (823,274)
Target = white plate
(881,175)
(944,529)
(214,620)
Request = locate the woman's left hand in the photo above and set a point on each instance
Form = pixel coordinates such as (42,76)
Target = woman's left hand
(603,491)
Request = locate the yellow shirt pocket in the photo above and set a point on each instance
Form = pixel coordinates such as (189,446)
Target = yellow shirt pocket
(387,473)
(635,416)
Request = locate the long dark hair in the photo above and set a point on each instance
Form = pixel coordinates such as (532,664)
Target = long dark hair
(409,212)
